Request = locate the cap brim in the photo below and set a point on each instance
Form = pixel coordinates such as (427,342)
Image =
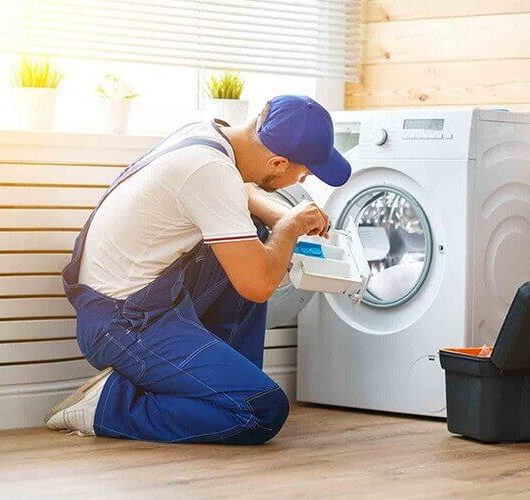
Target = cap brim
(335,172)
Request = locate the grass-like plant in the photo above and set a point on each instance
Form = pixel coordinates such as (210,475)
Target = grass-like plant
(228,85)
(36,71)
(113,87)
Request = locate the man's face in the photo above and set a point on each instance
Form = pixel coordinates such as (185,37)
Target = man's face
(283,174)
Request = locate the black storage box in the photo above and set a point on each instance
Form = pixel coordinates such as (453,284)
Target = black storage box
(489,398)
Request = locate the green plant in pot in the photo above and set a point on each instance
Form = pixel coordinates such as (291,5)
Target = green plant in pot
(116,95)
(224,98)
(34,80)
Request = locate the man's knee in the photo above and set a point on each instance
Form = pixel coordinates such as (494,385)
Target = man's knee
(271,410)
(272,414)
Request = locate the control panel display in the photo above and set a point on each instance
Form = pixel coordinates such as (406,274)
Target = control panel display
(424,124)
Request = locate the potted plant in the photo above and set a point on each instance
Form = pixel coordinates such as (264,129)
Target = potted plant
(224,92)
(116,96)
(35,81)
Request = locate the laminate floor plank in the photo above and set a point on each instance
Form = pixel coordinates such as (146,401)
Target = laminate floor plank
(321,452)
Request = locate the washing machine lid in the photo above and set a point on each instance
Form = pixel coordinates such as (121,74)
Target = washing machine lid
(287,301)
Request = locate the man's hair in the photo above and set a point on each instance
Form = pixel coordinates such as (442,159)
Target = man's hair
(256,122)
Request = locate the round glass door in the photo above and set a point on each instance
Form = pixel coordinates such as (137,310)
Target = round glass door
(397,242)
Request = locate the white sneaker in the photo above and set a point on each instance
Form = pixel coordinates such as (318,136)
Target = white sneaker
(76,412)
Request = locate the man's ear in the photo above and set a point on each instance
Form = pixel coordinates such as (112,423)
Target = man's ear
(277,165)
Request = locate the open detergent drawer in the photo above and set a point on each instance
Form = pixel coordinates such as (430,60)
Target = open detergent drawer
(334,265)
(488,398)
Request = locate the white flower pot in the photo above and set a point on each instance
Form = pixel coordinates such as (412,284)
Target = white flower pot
(233,111)
(34,107)
(115,114)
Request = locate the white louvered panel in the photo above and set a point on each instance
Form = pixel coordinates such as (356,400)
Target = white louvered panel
(36,196)
(37,240)
(30,285)
(11,263)
(72,149)
(31,373)
(35,307)
(45,350)
(281,337)
(100,175)
(37,329)
(40,240)
(282,356)
(46,218)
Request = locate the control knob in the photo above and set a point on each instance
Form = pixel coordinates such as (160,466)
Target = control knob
(378,136)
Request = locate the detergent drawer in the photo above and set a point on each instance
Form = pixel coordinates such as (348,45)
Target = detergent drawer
(334,265)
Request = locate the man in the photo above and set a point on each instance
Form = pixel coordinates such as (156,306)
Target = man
(171,282)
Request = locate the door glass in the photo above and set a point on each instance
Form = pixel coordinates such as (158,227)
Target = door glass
(397,242)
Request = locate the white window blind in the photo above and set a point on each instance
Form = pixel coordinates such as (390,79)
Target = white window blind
(299,37)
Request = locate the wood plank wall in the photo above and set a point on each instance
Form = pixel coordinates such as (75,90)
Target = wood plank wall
(449,53)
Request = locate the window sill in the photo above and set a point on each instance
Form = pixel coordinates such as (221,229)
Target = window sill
(73,147)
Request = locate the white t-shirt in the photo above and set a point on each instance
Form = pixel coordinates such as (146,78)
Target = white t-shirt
(162,211)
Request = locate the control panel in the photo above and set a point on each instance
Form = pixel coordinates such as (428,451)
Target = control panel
(407,133)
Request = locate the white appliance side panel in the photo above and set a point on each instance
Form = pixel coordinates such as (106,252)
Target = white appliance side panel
(502,223)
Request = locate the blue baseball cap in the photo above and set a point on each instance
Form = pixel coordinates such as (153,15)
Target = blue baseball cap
(300,129)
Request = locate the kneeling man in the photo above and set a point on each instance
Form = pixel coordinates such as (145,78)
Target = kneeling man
(171,274)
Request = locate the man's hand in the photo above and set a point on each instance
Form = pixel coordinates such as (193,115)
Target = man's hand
(308,219)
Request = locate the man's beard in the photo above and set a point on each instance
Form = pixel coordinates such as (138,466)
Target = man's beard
(267,184)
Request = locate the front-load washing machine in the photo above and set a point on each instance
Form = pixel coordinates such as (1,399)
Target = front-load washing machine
(441,200)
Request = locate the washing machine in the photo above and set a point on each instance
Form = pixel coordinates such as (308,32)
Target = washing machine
(441,200)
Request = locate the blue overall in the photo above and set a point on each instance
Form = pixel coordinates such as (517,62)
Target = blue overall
(186,349)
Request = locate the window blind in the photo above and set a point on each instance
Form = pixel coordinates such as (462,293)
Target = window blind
(305,37)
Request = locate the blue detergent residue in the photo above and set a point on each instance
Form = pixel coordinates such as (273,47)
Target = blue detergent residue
(309,249)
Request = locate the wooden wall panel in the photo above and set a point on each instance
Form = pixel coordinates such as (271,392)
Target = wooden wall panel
(398,10)
(454,53)
(499,81)
(448,39)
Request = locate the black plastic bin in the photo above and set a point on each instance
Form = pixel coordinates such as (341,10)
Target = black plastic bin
(489,398)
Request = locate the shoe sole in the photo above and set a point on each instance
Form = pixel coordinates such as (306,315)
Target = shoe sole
(77,395)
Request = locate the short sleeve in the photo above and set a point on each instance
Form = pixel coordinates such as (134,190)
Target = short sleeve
(215,200)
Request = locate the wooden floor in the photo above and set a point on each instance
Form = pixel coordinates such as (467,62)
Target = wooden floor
(320,453)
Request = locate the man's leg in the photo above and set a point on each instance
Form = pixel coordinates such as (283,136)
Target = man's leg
(176,381)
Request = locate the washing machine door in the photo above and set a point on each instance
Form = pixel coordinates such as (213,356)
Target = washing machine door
(385,206)
(397,242)
(287,301)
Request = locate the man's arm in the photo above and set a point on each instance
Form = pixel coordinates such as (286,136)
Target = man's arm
(266,209)
(255,269)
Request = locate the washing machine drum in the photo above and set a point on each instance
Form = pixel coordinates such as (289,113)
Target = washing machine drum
(287,301)
(397,242)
